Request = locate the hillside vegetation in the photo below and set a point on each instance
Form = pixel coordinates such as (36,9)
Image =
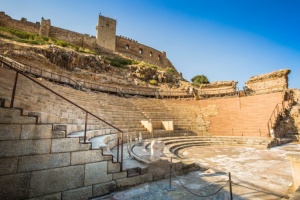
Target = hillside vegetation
(104,66)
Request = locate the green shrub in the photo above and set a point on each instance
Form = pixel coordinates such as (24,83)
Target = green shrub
(134,62)
(153,67)
(153,82)
(119,62)
(143,64)
(201,79)
(46,39)
(61,43)
(170,70)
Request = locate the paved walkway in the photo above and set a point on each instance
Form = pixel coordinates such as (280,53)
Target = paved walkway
(256,174)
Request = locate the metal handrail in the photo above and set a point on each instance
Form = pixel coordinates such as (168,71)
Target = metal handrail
(104,88)
(53,76)
(19,71)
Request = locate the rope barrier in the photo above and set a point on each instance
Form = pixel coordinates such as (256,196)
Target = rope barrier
(198,194)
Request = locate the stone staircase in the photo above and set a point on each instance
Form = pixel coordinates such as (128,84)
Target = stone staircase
(38,148)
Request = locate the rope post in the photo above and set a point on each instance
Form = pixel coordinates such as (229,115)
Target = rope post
(230,186)
(170,181)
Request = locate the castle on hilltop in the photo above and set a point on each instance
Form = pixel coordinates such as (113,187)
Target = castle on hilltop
(105,38)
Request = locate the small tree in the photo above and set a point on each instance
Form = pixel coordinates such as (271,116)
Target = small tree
(200,79)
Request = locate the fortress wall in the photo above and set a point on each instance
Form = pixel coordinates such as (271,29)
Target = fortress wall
(66,35)
(141,52)
(82,40)
(22,24)
(89,42)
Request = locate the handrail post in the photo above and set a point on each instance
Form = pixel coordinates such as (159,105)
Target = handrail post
(118,149)
(85,126)
(122,151)
(14,90)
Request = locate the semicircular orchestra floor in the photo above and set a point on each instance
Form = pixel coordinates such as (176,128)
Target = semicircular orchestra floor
(256,174)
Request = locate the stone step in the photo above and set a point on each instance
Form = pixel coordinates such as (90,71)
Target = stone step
(14,116)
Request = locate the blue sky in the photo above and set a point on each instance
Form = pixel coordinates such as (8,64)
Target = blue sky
(222,39)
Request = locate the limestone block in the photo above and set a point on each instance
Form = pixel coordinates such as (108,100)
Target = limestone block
(8,165)
(13,117)
(112,167)
(78,194)
(96,173)
(83,157)
(33,131)
(59,127)
(58,134)
(56,180)
(42,117)
(39,162)
(134,180)
(24,147)
(159,169)
(53,119)
(14,186)
(10,131)
(119,175)
(56,196)
(68,145)
(104,188)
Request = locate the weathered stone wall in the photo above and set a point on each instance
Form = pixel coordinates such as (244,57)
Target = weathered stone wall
(66,35)
(22,24)
(106,32)
(81,40)
(139,51)
(89,42)
(218,87)
(270,82)
(45,27)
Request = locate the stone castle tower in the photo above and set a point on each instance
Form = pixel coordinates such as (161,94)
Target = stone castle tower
(106,32)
